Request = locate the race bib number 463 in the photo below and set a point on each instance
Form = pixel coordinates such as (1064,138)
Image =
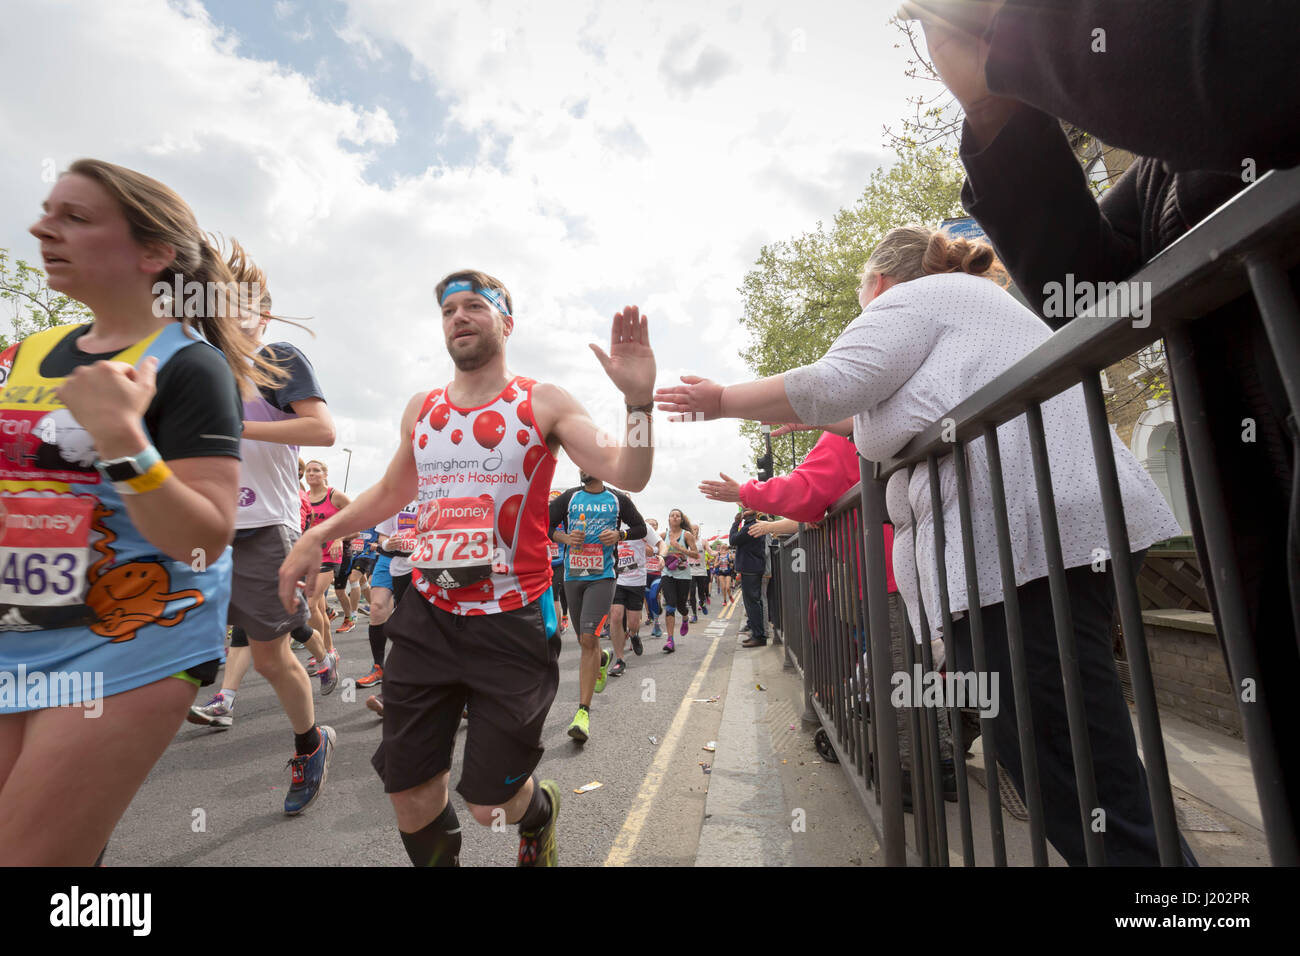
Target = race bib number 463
(44,555)
(455,541)
(43,549)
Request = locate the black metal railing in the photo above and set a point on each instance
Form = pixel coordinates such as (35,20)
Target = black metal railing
(836,616)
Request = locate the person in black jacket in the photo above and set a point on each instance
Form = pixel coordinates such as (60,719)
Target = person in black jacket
(1204,92)
(751,556)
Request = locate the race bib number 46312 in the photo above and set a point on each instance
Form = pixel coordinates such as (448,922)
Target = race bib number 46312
(455,541)
(585,558)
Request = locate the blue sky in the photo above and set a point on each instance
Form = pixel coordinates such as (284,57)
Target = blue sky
(591,154)
(305,37)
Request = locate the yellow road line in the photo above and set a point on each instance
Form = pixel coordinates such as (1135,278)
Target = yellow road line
(620,853)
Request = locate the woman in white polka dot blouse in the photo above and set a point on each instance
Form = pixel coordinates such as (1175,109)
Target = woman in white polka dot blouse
(934,329)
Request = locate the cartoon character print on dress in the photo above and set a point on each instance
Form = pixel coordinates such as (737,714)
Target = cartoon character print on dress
(130,596)
(480,497)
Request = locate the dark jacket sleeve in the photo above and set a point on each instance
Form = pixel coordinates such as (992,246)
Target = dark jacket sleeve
(735,535)
(1199,84)
(558,514)
(630,516)
(1029,193)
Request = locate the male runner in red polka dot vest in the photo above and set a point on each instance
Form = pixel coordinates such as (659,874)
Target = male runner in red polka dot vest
(479,454)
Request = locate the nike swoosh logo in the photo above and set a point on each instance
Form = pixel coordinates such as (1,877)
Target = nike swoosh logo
(510,780)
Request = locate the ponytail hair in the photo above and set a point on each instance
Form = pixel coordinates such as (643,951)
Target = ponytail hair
(156,214)
(910,252)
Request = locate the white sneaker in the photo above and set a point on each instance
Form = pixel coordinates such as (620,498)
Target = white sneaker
(217,712)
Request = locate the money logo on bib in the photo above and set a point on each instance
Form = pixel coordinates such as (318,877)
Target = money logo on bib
(455,540)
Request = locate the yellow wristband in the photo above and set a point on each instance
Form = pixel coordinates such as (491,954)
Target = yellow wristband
(151,479)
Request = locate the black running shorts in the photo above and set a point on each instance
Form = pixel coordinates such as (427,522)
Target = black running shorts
(674,594)
(499,665)
(632,598)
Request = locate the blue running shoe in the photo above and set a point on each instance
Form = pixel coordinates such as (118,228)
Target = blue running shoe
(309,772)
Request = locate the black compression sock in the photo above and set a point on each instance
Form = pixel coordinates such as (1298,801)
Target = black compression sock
(438,844)
(377,644)
(539,810)
(304,744)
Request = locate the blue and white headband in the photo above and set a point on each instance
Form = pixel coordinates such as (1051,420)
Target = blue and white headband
(495,296)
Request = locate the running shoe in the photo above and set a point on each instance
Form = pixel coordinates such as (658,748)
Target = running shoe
(296,645)
(376,676)
(694,619)
(669,646)
(347,625)
(704,608)
(308,773)
(658,631)
(215,713)
(618,668)
(685,628)
(564,623)
(364,609)
(604,670)
(328,673)
(334,612)
(537,847)
(637,648)
(376,703)
(580,729)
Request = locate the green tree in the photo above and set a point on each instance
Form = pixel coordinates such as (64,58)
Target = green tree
(33,305)
(802,292)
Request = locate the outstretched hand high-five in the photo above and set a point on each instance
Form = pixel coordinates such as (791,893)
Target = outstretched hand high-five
(698,399)
(630,363)
(728,489)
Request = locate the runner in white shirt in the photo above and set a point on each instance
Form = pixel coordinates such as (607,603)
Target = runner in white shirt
(629,596)
(388,583)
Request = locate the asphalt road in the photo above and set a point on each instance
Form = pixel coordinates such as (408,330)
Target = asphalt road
(216,797)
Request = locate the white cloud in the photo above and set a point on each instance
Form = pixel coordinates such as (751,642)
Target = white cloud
(624,154)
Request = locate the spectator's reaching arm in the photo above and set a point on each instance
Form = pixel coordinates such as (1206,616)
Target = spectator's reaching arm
(829,470)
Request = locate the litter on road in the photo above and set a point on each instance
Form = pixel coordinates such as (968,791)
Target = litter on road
(595,784)
(711,746)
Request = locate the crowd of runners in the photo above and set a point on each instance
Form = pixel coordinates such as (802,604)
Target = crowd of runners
(160,522)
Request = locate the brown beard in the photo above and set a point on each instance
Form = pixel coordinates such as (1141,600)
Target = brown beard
(477,357)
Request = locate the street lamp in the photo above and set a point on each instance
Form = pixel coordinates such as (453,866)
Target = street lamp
(348,471)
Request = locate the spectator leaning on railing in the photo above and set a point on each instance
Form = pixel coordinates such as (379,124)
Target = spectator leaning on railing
(927,340)
(1205,93)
